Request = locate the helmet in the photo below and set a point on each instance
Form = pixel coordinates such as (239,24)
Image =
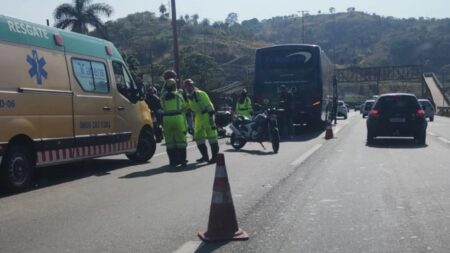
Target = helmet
(188,82)
(170,83)
(169,74)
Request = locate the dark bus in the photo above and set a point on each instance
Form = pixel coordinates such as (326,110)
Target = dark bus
(306,71)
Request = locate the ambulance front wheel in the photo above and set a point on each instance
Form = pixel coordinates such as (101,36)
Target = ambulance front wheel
(146,147)
(17,169)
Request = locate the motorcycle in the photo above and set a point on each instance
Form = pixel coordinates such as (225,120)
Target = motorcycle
(222,119)
(263,127)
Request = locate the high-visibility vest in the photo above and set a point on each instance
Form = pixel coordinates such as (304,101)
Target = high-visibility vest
(200,103)
(245,108)
(174,106)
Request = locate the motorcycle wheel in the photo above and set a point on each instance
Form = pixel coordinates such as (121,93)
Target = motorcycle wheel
(237,142)
(275,140)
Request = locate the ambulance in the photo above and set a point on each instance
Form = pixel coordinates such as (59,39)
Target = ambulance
(65,97)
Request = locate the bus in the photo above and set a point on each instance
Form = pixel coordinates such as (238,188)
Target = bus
(304,70)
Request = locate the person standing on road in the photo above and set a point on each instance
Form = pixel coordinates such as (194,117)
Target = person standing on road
(168,74)
(204,124)
(244,105)
(174,122)
(154,103)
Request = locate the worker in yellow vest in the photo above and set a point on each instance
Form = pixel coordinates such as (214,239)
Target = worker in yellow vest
(204,125)
(244,105)
(174,122)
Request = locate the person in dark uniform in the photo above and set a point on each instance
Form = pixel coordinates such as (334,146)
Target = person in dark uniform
(154,104)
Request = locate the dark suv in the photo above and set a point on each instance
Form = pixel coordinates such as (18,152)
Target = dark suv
(397,114)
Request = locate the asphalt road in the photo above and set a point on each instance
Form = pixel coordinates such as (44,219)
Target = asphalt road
(313,196)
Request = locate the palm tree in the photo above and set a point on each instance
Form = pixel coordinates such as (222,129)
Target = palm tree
(81,14)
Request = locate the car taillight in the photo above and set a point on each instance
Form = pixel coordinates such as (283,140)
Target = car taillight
(420,113)
(374,113)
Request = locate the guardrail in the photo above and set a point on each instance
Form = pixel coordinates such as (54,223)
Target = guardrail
(443,111)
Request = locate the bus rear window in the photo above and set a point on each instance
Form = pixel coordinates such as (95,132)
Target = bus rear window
(286,59)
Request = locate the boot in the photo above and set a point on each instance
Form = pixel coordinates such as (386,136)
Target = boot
(172,154)
(204,151)
(181,157)
(214,152)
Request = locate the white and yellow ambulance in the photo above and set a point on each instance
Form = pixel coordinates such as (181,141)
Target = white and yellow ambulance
(65,97)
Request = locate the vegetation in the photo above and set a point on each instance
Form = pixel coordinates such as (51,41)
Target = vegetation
(81,14)
(217,53)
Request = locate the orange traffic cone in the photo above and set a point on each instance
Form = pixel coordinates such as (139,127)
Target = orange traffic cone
(329,131)
(222,224)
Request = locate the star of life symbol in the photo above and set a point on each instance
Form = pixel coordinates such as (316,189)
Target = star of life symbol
(37,66)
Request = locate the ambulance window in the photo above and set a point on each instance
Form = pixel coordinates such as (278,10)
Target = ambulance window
(100,77)
(124,82)
(91,76)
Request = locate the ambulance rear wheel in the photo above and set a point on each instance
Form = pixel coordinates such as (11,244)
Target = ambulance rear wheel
(17,169)
(146,147)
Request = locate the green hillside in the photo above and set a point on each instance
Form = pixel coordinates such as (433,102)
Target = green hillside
(220,52)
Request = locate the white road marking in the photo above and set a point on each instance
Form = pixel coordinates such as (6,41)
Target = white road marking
(305,156)
(444,140)
(188,247)
(432,134)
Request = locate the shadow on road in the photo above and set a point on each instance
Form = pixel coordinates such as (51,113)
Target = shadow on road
(302,133)
(396,143)
(210,247)
(54,175)
(164,169)
(252,152)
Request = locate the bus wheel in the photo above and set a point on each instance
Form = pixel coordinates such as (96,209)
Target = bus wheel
(17,169)
(146,147)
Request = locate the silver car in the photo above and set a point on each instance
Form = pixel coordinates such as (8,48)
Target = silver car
(428,108)
(342,109)
(367,107)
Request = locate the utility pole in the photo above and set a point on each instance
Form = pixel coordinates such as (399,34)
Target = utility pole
(303,25)
(175,40)
(333,12)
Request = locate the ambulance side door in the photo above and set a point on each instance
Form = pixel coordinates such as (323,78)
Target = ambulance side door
(92,105)
(127,118)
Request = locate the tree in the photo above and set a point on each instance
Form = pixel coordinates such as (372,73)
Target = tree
(205,22)
(195,18)
(201,68)
(133,65)
(80,15)
(163,11)
(231,19)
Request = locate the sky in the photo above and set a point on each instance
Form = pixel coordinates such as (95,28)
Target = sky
(216,10)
